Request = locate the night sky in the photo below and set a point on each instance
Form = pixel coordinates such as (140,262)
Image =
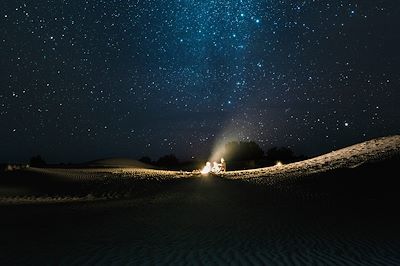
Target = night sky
(82,80)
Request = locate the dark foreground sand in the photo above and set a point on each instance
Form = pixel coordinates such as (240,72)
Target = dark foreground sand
(345,217)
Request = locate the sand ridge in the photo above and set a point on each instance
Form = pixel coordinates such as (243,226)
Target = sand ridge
(349,157)
(115,182)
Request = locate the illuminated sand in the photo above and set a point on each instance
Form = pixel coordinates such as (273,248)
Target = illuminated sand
(118,182)
(349,157)
(113,183)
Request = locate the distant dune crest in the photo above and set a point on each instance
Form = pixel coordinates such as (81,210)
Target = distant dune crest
(350,157)
(118,162)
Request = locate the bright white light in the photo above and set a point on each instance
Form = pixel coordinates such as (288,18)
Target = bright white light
(278,163)
(215,168)
(206,169)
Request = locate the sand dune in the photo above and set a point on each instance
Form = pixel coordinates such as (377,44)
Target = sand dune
(116,178)
(118,162)
(350,157)
(56,185)
(93,174)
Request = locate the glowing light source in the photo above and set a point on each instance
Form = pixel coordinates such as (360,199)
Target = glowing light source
(215,168)
(206,169)
(278,163)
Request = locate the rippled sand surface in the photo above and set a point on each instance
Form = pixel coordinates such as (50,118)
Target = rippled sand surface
(203,222)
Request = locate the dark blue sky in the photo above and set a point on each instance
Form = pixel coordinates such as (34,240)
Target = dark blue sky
(82,80)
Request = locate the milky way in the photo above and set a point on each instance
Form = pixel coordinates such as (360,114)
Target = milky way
(87,79)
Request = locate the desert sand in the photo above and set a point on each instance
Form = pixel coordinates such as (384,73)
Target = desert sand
(118,174)
(336,209)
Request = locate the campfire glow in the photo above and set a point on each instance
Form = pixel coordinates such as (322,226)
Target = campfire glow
(206,169)
(215,168)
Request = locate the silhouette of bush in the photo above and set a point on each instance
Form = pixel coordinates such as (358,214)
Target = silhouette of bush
(168,160)
(37,161)
(280,154)
(243,150)
(145,159)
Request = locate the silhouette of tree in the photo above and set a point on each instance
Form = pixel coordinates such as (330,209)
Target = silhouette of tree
(37,161)
(243,150)
(145,159)
(280,154)
(168,160)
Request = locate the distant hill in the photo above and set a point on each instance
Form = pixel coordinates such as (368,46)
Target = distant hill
(118,163)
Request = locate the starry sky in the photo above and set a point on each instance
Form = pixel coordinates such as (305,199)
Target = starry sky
(82,80)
